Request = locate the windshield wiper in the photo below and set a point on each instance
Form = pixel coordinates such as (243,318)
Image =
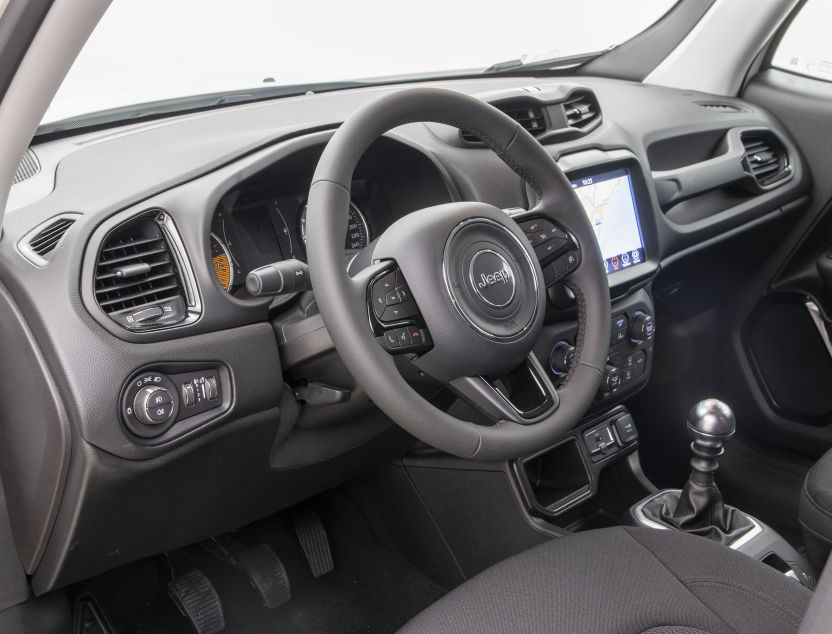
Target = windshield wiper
(509,66)
(182,105)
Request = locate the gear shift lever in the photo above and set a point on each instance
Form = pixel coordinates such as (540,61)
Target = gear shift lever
(698,508)
(711,424)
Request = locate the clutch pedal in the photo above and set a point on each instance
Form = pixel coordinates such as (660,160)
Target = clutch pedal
(198,601)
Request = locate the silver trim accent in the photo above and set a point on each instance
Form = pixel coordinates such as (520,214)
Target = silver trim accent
(26,250)
(476,285)
(193,299)
(462,313)
(820,324)
(641,518)
(533,366)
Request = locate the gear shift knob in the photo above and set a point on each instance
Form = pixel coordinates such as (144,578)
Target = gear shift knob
(711,424)
(711,420)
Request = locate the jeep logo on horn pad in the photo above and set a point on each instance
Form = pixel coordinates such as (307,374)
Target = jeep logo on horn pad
(492,278)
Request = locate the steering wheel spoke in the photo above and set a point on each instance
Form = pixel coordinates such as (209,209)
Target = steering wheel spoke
(524,396)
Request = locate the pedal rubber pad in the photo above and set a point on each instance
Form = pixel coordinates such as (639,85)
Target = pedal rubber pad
(261,565)
(197,600)
(314,541)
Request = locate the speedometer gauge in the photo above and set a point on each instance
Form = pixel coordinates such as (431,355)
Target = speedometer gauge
(358,232)
(221,259)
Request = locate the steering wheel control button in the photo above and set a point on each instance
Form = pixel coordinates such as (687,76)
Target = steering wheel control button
(406,339)
(393,297)
(381,287)
(492,278)
(642,327)
(550,248)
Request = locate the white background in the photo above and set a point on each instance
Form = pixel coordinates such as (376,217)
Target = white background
(145,50)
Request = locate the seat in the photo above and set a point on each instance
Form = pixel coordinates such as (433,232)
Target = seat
(622,580)
(816,510)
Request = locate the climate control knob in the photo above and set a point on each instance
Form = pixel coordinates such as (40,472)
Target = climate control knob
(642,327)
(612,380)
(153,405)
(561,358)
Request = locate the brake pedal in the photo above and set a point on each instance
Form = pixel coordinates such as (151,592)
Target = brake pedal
(260,564)
(314,541)
(198,601)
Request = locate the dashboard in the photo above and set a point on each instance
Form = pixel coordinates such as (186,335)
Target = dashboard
(142,297)
(253,228)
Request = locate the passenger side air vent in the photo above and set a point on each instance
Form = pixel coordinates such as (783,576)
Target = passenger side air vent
(532,118)
(139,279)
(766,158)
(581,110)
(29,166)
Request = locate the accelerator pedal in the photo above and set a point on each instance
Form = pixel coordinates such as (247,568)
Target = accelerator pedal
(196,599)
(260,564)
(314,541)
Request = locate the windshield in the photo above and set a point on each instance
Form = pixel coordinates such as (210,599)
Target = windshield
(150,50)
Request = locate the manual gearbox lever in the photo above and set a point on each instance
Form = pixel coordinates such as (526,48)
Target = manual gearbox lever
(699,508)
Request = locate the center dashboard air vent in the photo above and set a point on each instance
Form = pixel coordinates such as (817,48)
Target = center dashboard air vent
(766,158)
(581,110)
(531,117)
(142,277)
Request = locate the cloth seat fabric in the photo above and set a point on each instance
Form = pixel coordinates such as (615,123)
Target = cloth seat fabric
(626,581)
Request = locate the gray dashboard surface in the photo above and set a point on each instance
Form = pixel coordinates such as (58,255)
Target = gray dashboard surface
(182,164)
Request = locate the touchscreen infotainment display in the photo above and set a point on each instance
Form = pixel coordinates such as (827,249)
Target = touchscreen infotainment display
(611,206)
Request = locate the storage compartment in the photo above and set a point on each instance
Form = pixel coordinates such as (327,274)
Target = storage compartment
(558,477)
(681,151)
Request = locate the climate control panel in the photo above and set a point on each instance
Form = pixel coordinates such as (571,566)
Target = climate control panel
(632,330)
(173,398)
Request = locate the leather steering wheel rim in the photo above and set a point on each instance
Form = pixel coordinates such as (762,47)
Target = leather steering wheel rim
(342,302)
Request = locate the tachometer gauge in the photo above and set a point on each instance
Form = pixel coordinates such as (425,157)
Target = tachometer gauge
(221,259)
(358,232)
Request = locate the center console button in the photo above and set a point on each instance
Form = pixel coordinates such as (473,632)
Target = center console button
(626,428)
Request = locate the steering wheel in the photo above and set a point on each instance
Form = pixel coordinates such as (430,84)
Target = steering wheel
(460,288)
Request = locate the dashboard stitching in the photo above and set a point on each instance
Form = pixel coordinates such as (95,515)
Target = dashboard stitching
(581,331)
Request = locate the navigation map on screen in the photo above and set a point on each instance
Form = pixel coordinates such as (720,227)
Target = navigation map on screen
(609,202)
